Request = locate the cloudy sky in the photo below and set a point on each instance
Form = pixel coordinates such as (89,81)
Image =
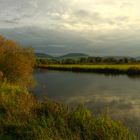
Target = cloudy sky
(96,27)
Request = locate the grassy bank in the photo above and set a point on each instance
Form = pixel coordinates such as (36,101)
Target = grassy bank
(23,117)
(107,69)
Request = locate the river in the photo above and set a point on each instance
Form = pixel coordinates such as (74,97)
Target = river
(120,94)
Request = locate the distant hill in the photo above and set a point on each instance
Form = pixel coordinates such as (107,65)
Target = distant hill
(138,58)
(78,56)
(43,55)
(67,56)
(74,55)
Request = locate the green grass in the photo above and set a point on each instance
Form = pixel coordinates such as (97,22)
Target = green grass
(22,117)
(129,69)
(123,66)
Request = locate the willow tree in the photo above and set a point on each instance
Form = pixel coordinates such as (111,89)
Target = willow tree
(16,62)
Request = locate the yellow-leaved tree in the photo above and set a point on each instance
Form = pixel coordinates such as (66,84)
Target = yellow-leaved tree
(16,62)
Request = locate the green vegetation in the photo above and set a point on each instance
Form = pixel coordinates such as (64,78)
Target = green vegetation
(107,65)
(78,58)
(23,117)
(131,69)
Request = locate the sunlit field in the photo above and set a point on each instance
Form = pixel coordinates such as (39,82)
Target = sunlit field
(103,68)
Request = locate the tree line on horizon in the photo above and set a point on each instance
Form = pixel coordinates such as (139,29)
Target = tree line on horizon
(89,60)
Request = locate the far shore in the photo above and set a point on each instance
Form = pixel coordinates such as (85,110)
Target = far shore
(129,69)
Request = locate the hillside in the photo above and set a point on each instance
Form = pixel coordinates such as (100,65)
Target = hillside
(74,55)
(67,56)
(80,55)
(43,55)
(138,58)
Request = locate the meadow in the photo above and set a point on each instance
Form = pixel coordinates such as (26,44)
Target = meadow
(130,69)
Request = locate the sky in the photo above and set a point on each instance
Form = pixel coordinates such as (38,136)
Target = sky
(95,27)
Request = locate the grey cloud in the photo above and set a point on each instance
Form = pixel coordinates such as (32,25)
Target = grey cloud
(126,5)
(19,11)
(106,2)
(51,12)
(9,21)
(33,12)
(50,40)
(61,42)
(82,13)
(95,18)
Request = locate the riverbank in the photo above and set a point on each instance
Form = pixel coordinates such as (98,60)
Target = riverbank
(106,69)
(24,117)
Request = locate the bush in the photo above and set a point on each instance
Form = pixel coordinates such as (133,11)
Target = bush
(16,63)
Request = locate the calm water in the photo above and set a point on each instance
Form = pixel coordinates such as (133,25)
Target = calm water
(119,94)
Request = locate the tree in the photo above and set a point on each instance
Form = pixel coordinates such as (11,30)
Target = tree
(16,62)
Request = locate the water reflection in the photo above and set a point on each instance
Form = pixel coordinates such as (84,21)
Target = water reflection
(121,94)
(126,109)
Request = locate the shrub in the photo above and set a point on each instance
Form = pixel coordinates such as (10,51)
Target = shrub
(16,62)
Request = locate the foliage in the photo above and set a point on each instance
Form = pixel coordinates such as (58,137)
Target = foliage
(88,60)
(23,117)
(16,62)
